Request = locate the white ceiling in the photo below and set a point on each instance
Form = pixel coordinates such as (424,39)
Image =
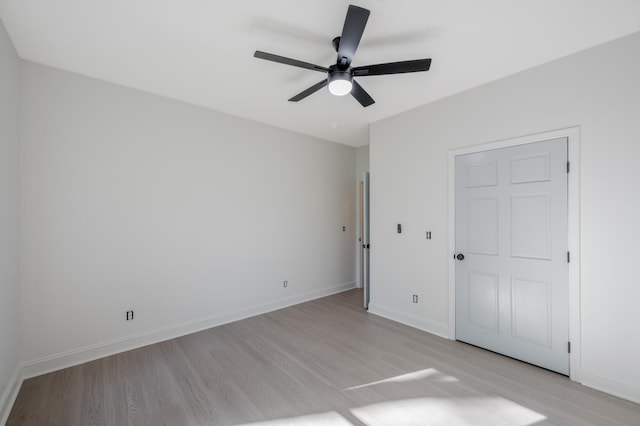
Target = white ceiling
(201,51)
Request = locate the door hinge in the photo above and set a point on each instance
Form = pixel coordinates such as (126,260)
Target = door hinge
(569,347)
(568,167)
(568,257)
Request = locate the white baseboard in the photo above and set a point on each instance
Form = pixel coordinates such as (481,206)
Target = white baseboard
(611,386)
(9,395)
(433,327)
(89,353)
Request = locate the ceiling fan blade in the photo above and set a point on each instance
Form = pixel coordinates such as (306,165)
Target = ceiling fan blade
(361,95)
(300,96)
(416,65)
(352,31)
(288,61)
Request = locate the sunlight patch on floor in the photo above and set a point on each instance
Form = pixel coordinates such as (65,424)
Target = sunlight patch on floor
(429,373)
(447,411)
(328,418)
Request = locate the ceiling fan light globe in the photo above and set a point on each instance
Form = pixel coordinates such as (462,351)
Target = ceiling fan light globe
(340,87)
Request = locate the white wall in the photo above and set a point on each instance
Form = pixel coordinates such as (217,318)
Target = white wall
(9,289)
(362,166)
(187,216)
(598,90)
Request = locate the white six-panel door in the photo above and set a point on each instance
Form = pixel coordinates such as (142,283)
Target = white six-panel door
(511,247)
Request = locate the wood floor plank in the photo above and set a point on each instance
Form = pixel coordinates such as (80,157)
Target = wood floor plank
(322,362)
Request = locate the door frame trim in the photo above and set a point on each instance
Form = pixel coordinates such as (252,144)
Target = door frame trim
(360,269)
(573,136)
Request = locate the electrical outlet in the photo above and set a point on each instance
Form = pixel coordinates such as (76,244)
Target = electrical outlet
(285,283)
(129,315)
(428,235)
(344,228)
(415,298)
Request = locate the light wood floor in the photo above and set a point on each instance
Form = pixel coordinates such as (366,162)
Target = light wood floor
(321,362)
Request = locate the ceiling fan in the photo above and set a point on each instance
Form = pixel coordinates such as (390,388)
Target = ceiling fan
(340,76)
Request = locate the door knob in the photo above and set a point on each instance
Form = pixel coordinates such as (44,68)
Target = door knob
(460,256)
